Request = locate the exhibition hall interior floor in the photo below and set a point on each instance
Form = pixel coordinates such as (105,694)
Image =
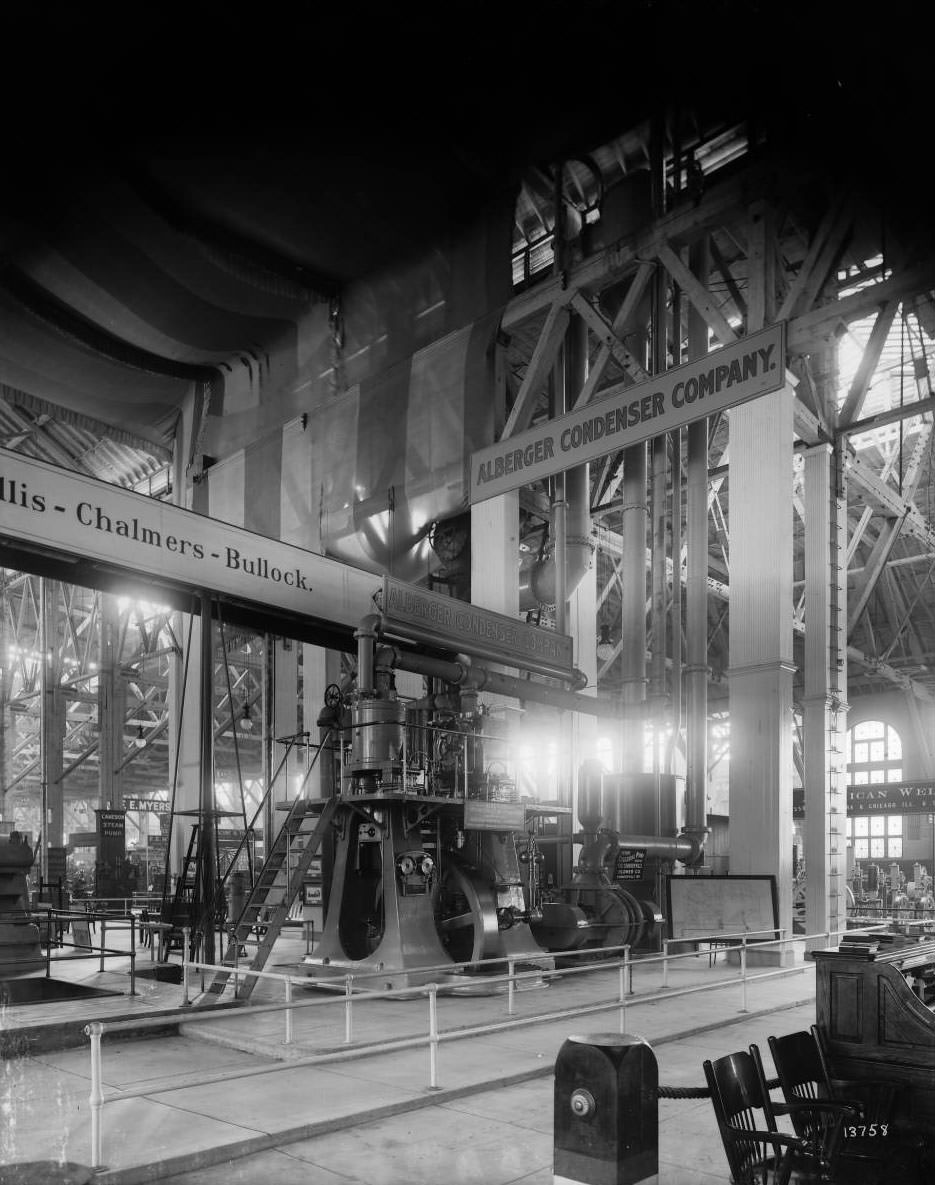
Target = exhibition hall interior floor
(200,1114)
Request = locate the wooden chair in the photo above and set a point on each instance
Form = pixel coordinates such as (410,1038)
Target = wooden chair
(757,1152)
(804,1074)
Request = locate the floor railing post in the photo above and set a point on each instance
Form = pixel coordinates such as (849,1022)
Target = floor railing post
(511,987)
(288,1040)
(743,973)
(96,1097)
(185,967)
(629,968)
(433,1036)
(622,969)
(348,1018)
(132,955)
(665,962)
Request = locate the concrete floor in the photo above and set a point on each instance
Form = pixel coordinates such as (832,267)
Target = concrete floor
(371,1118)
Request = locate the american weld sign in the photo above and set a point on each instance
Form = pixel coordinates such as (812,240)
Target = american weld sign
(625,415)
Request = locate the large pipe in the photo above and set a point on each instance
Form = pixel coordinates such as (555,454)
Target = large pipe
(686,847)
(475,677)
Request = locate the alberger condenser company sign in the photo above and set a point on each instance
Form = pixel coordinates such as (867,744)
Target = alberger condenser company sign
(625,415)
(81,517)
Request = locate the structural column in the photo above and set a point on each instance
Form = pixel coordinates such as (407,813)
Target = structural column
(7,731)
(633,612)
(495,581)
(761,666)
(696,578)
(824,708)
(51,723)
(111,697)
(184,709)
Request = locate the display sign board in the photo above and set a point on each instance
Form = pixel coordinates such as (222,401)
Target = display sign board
(703,907)
(42,506)
(81,932)
(157,806)
(494,816)
(112,835)
(892,798)
(461,626)
(629,864)
(879,798)
(627,414)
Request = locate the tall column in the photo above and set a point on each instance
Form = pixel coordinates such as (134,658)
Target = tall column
(761,667)
(207,836)
(185,710)
(696,578)
(111,697)
(633,610)
(495,581)
(51,722)
(7,731)
(823,704)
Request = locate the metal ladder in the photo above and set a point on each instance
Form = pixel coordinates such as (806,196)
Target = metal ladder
(277,886)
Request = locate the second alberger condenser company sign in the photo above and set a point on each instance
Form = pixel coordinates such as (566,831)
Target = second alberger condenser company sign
(625,415)
(77,516)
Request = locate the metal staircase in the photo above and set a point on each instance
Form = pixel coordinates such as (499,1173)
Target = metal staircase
(277,886)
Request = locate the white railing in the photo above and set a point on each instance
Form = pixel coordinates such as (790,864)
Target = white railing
(433,1037)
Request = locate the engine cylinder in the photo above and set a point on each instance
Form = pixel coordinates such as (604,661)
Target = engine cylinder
(377,734)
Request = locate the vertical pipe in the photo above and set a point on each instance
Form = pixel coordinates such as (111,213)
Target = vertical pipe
(207,835)
(696,583)
(676,625)
(268,725)
(657,693)
(511,987)
(675,438)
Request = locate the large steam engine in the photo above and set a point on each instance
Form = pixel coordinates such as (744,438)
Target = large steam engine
(437,859)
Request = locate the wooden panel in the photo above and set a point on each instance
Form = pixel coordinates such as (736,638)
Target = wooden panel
(847,1007)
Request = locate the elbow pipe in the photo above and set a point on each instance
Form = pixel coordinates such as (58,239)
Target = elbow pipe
(538,584)
(686,847)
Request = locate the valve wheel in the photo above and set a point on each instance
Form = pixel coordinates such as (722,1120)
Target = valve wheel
(334,697)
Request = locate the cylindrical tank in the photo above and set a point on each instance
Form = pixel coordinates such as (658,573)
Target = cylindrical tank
(591,794)
(630,803)
(377,734)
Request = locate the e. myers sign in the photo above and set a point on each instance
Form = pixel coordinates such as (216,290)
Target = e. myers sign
(69,513)
(626,415)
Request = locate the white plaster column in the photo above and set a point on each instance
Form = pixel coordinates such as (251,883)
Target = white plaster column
(495,585)
(823,704)
(761,667)
(582,625)
(184,707)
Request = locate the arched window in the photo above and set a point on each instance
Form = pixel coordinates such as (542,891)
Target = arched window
(874,755)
